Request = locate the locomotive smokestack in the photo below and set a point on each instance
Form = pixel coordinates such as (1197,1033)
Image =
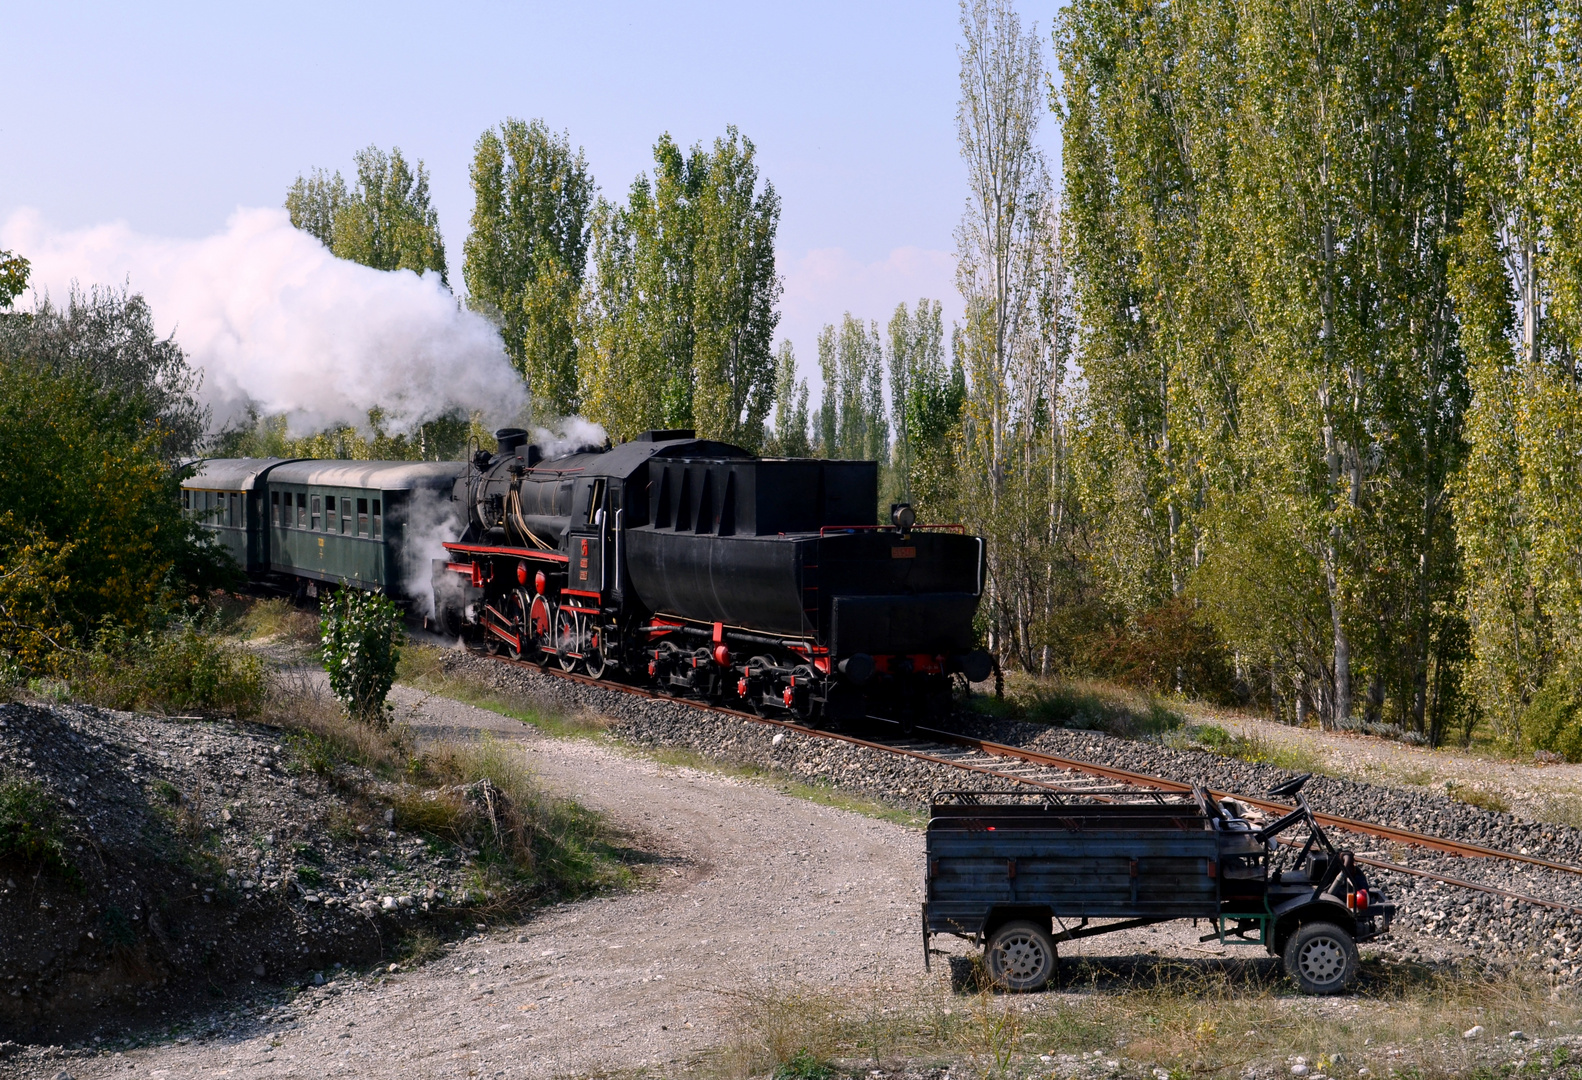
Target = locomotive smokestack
(507,439)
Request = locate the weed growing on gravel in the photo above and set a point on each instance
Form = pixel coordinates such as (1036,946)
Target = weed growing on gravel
(1558,809)
(423,667)
(1482,798)
(1084,704)
(1253,748)
(31,831)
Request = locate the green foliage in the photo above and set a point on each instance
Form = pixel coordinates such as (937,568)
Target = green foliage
(441,439)
(1273,387)
(682,309)
(184,669)
(790,435)
(803,1065)
(527,251)
(384,222)
(362,635)
(13,277)
(31,831)
(94,407)
(852,418)
(1552,720)
(1171,649)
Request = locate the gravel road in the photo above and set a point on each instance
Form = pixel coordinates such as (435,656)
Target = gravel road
(748,886)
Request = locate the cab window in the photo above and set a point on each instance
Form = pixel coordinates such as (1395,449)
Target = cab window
(595,500)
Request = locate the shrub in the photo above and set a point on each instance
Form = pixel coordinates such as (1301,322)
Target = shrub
(362,634)
(1551,722)
(184,669)
(1171,649)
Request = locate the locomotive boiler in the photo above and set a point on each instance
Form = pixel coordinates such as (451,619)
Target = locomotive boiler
(699,568)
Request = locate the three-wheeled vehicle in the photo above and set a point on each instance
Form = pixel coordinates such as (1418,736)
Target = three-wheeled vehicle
(1018,872)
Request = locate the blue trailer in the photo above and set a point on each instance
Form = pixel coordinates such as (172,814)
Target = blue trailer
(1019,872)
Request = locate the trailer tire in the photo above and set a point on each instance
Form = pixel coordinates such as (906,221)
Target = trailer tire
(1020,957)
(1321,958)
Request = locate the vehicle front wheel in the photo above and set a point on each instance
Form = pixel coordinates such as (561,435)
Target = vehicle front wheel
(1020,956)
(1321,958)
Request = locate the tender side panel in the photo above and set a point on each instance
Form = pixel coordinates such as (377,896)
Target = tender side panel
(742,580)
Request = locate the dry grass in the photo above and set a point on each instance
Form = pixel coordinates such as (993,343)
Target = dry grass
(431,669)
(1084,704)
(1189,1020)
(277,619)
(1253,748)
(1480,797)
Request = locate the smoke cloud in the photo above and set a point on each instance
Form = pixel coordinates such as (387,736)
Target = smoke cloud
(279,324)
(572,434)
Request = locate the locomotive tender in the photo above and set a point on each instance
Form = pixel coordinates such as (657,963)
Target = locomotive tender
(760,583)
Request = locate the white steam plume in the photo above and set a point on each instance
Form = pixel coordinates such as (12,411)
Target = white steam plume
(572,435)
(279,324)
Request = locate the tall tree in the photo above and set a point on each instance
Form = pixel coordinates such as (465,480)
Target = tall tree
(313,201)
(1009,271)
(851,360)
(916,359)
(386,221)
(13,277)
(682,309)
(526,255)
(790,438)
(1518,284)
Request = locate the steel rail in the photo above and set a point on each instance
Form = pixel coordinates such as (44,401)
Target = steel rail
(1125,776)
(1354,825)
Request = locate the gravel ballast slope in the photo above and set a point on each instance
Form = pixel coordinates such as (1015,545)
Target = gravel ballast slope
(197,859)
(1434,921)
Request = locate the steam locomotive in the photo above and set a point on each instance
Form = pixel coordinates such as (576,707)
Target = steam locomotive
(694,566)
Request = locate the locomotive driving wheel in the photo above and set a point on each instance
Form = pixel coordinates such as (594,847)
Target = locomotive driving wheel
(540,627)
(516,608)
(593,661)
(568,638)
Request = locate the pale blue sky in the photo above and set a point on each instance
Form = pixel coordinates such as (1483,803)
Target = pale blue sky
(168,117)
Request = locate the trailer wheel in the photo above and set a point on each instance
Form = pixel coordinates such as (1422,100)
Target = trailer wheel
(1020,956)
(1321,958)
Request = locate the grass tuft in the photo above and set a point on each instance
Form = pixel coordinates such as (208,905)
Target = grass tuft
(31,830)
(1254,748)
(1482,798)
(431,669)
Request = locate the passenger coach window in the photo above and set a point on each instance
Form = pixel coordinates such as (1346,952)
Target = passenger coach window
(329,513)
(231,517)
(274,508)
(317,503)
(378,521)
(362,517)
(346,516)
(302,510)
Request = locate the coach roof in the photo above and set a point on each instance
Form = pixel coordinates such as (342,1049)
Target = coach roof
(373,475)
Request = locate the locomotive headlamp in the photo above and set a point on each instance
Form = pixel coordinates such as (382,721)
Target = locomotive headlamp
(903,516)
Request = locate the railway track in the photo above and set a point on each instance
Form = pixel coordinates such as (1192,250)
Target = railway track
(1073,776)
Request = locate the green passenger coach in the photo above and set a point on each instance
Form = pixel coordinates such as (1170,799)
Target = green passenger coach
(299,524)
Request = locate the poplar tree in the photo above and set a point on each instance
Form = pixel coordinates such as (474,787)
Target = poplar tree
(682,309)
(1518,286)
(790,438)
(527,252)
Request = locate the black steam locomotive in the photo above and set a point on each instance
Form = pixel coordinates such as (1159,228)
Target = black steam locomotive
(693,565)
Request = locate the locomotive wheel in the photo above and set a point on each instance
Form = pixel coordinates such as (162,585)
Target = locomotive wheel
(517,608)
(567,638)
(540,625)
(593,661)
